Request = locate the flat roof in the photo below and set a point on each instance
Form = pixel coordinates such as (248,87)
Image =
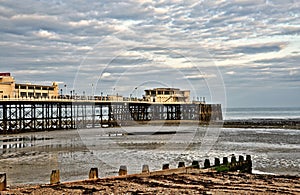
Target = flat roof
(33,85)
(162,89)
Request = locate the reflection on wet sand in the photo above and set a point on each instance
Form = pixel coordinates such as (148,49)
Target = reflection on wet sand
(9,143)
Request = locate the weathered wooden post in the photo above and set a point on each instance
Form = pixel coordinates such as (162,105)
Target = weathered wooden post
(195,164)
(165,166)
(217,162)
(181,164)
(93,174)
(241,163)
(241,158)
(123,170)
(55,177)
(233,159)
(145,169)
(225,160)
(233,164)
(206,163)
(2,181)
(248,167)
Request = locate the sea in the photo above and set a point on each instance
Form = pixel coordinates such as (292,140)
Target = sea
(262,113)
(29,158)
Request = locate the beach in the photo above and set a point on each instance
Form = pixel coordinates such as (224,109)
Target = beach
(74,152)
(195,182)
(273,143)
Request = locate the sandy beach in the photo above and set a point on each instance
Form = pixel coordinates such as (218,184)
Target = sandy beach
(195,182)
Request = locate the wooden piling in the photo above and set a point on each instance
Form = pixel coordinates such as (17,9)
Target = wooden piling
(233,159)
(248,168)
(93,174)
(123,170)
(206,163)
(165,166)
(195,164)
(225,160)
(145,169)
(55,177)
(2,181)
(217,162)
(181,164)
(241,158)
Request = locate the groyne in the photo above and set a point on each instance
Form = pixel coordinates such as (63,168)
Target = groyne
(242,165)
(181,180)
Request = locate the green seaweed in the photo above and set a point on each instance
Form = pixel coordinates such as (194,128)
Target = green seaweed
(222,168)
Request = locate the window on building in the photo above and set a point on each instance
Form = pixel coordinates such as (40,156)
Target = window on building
(23,94)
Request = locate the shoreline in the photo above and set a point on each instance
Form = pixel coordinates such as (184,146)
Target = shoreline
(268,123)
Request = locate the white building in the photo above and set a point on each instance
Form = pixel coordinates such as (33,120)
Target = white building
(167,95)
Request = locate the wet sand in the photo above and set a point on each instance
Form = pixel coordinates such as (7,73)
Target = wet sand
(74,152)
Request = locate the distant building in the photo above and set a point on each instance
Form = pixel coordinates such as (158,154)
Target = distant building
(167,95)
(10,89)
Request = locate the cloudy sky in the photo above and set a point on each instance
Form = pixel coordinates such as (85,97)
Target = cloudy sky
(241,53)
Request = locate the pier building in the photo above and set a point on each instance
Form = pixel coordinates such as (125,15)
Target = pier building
(167,95)
(10,89)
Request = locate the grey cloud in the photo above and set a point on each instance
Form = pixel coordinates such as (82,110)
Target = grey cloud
(257,49)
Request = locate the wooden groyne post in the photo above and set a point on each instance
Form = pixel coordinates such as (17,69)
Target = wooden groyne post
(93,174)
(2,181)
(55,177)
(122,170)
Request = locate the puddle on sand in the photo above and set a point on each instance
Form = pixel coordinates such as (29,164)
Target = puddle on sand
(12,142)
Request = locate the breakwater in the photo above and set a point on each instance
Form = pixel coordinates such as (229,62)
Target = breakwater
(242,165)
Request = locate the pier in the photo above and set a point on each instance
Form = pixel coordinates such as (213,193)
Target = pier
(39,114)
(31,107)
